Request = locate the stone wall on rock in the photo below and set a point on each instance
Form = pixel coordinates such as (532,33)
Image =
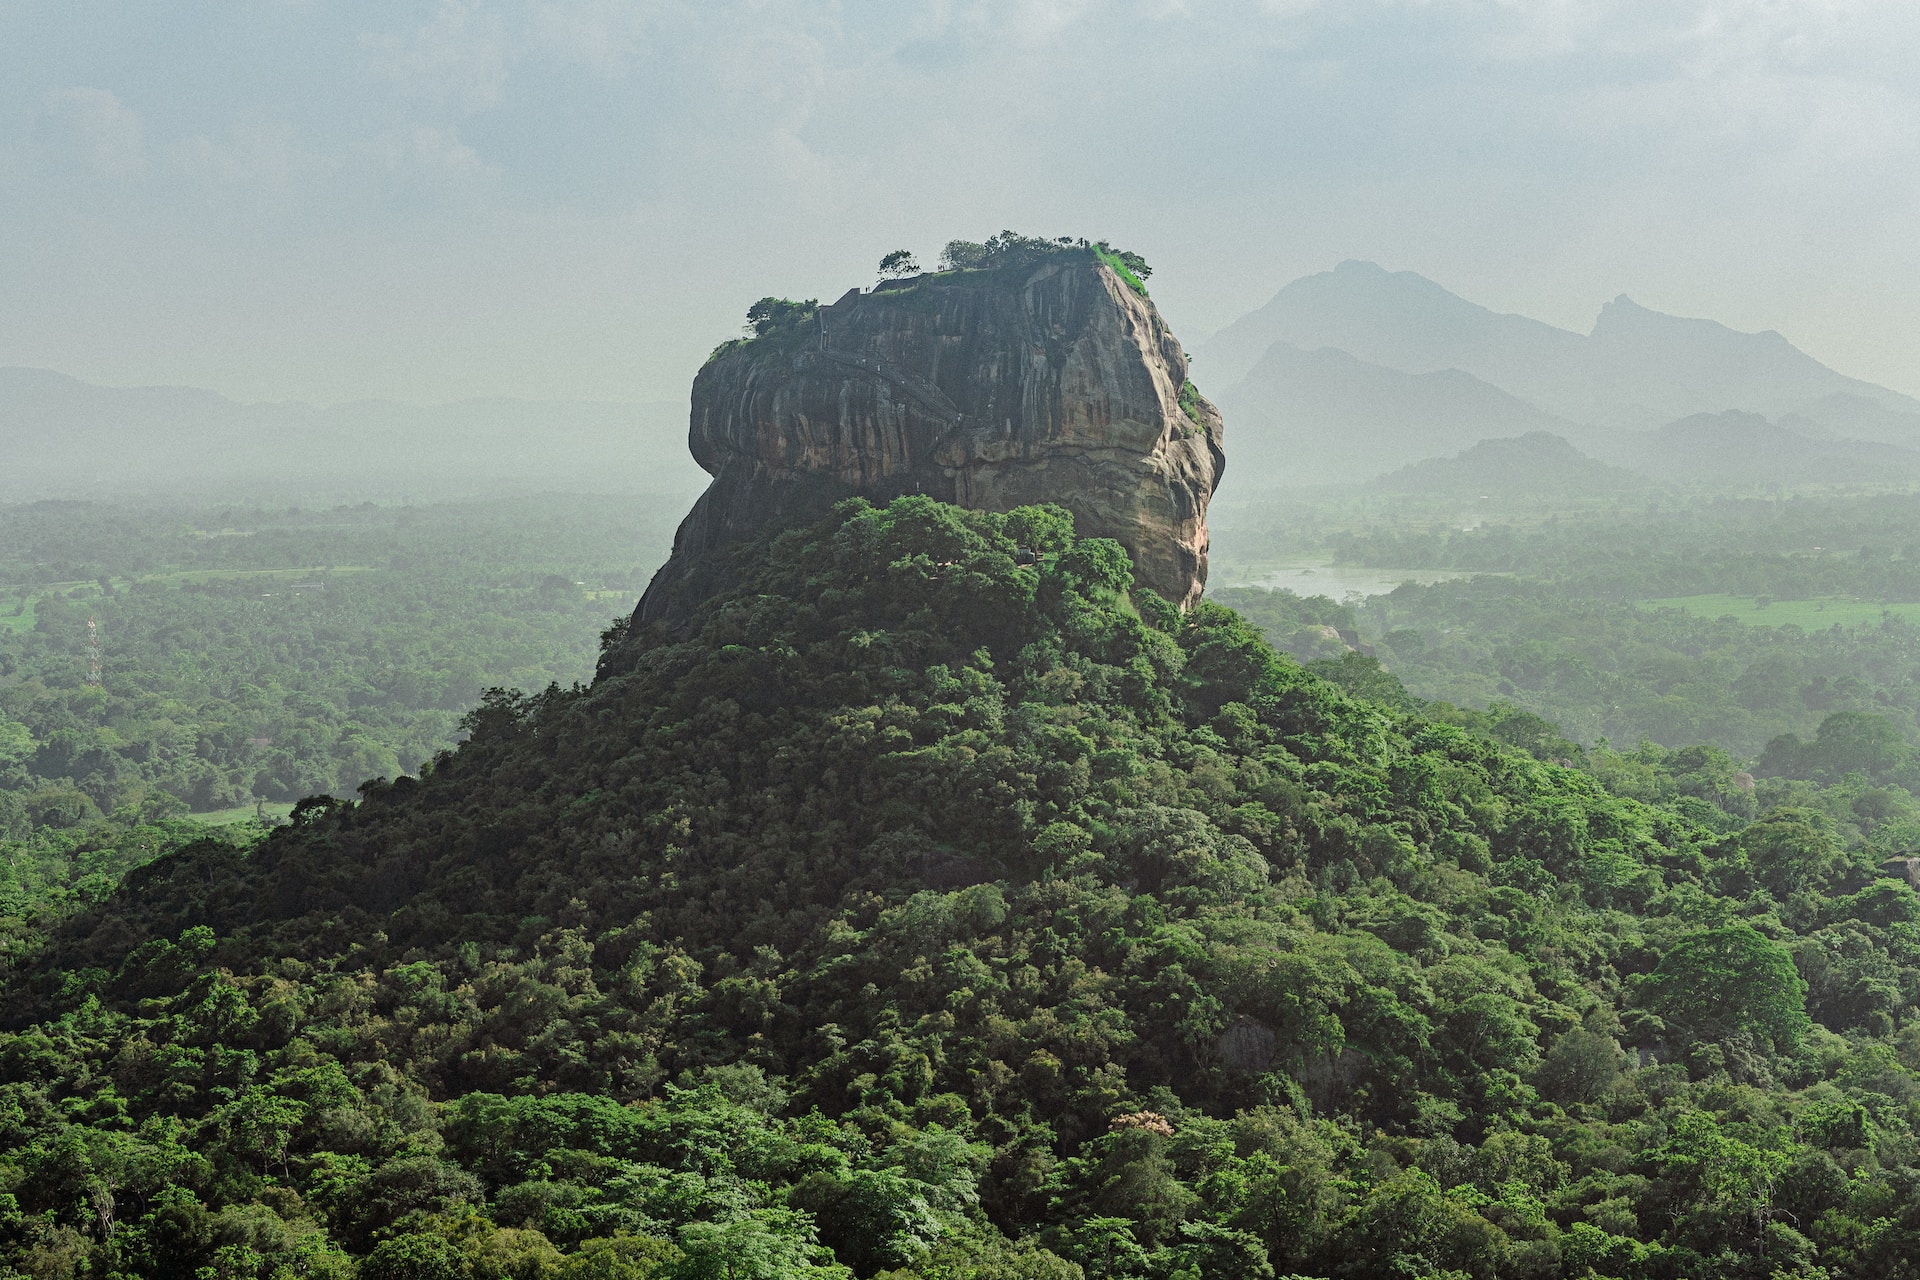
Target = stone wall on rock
(1052,381)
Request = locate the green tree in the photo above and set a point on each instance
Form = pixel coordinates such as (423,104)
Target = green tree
(417,1256)
(1581,1066)
(1362,675)
(870,1218)
(624,1257)
(1105,1247)
(1726,1185)
(773,315)
(1718,982)
(765,1244)
(1220,1253)
(962,255)
(1408,1226)
(1846,742)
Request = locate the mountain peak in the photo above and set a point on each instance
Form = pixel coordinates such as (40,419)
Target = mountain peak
(1376,281)
(1399,319)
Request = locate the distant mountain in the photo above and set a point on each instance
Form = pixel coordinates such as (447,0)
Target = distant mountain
(1641,364)
(1857,418)
(63,438)
(1638,368)
(1536,463)
(1397,319)
(1325,417)
(1744,448)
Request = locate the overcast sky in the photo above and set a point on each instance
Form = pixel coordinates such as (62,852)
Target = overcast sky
(433,199)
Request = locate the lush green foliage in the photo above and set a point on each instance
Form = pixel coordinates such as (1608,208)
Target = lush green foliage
(773,318)
(1565,646)
(1130,267)
(923,912)
(1557,633)
(775,315)
(1603,669)
(267,655)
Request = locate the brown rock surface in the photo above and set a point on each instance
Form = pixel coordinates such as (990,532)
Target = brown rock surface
(1908,867)
(992,389)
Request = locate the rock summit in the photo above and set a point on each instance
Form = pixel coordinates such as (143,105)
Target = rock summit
(1042,375)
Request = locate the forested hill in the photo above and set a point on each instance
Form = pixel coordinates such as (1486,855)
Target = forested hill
(936,904)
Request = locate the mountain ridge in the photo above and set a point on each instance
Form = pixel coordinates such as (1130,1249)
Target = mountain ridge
(1327,416)
(1538,462)
(1635,369)
(1733,447)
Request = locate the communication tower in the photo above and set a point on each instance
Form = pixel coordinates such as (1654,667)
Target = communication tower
(93,651)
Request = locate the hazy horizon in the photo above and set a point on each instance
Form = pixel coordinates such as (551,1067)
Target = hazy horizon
(1195,343)
(575,199)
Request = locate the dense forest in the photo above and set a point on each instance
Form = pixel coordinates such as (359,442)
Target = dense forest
(1724,621)
(251,655)
(939,905)
(1604,672)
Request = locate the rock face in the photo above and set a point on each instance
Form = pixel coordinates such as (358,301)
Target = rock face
(991,389)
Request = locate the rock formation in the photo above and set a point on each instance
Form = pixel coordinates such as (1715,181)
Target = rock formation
(1050,379)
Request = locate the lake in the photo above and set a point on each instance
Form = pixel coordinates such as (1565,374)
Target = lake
(1322,578)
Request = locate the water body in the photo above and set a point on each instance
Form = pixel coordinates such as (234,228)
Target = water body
(1322,578)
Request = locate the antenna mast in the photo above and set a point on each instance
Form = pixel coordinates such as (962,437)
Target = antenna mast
(93,651)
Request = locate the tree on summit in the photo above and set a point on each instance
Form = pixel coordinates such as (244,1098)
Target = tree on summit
(899,264)
(771,314)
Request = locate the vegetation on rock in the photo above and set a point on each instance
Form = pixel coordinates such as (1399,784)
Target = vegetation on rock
(1010,249)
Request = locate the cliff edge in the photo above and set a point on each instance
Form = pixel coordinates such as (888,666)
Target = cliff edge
(1048,377)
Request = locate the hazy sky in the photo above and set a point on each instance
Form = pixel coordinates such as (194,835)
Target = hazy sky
(338,199)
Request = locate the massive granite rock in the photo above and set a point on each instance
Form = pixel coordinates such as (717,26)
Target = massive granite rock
(1050,381)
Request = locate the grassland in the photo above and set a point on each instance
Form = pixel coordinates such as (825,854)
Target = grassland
(246,813)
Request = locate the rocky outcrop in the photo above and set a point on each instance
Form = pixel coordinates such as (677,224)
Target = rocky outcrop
(1054,381)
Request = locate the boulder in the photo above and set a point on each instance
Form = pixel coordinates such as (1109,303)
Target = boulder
(1906,868)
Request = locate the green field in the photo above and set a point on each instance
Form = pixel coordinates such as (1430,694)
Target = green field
(225,817)
(1809,615)
(22,621)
